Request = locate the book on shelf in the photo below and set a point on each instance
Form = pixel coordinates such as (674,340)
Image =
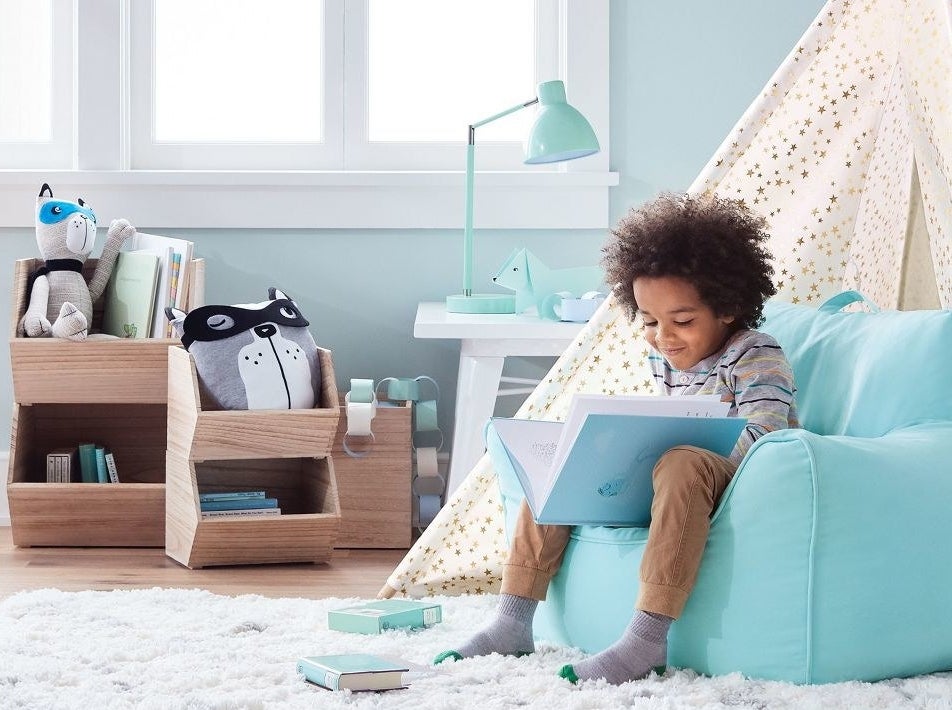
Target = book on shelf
(130,295)
(240,512)
(102,475)
(175,287)
(164,255)
(87,463)
(229,495)
(384,614)
(595,468)
(238,504)
(61,465)
(354,671)
(111,467)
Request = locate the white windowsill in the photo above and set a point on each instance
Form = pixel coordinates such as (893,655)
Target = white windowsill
(318,199)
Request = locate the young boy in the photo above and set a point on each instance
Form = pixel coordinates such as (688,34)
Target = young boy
(695,270)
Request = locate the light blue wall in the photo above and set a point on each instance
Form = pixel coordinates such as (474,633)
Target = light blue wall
(682,74)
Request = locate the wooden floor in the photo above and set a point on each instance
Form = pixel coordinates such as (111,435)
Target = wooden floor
(350,573)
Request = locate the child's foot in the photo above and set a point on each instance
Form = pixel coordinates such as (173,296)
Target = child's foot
(641,649)
(509,633)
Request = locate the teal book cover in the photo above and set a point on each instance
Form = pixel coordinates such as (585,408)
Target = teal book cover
(239,503)
(229,495)
(602,475)
(102,474)
(354,671)
(87,463)
(377,616)
(130,295)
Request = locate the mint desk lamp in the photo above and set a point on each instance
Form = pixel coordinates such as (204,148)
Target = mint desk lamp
(559,133)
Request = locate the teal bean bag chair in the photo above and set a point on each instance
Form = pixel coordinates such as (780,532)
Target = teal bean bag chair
(830,553)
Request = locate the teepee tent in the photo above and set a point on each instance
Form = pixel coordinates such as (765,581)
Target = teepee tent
(848,155)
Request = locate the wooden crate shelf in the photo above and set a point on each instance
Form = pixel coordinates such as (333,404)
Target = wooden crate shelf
(376,507)
(111,392)
(127,514)
(283,452)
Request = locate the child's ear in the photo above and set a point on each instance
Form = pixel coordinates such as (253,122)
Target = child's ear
(727,320)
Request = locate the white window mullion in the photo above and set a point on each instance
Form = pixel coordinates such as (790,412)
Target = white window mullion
(99,101)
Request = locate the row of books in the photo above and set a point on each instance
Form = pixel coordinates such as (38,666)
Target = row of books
(85,463)
(237,503)
(146,279)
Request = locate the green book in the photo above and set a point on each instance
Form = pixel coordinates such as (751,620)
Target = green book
(377,616)
(130,295)
(87,463)
(353,671)
(102,475)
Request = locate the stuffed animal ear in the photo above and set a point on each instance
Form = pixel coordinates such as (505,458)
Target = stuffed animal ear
(276,293)
(45,189)
(177,319)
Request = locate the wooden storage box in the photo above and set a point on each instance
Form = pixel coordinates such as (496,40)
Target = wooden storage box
(376,507)
(110,392)
(113,370)
(283,452)
(127,514)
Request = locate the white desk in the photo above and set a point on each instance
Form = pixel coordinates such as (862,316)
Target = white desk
(485,342)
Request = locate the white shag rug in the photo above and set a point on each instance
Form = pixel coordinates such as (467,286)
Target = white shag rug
(176,648)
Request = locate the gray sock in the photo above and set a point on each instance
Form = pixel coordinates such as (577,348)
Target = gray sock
(509,633)
(643,647)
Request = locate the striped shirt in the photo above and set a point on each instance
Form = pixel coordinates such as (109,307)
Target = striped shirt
(751,372)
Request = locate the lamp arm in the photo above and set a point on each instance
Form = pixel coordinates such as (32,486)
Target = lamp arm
(470,177)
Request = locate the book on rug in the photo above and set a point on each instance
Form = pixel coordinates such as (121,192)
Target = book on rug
(354,671)
(595,468)
(374,617)
(130,295)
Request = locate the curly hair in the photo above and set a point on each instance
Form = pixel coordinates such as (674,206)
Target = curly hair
(714,243)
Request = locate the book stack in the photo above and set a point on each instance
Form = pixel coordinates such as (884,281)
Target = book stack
(97,464)
(237,504)
(147,278)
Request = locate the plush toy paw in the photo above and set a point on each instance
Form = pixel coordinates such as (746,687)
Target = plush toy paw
(35,326)
(70,323)
(119,231)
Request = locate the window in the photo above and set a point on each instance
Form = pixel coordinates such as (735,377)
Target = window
(35,86)
(348,104)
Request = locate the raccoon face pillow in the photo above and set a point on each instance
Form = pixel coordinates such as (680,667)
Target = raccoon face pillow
(252,356)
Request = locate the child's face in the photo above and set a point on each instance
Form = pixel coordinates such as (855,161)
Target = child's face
(678,324)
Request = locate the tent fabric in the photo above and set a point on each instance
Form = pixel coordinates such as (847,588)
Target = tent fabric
(846,153)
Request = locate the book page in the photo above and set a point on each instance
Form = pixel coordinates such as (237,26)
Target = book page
(688,405)
(532,444)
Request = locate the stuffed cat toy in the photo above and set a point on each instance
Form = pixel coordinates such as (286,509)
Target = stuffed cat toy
(252,356)
(60,300)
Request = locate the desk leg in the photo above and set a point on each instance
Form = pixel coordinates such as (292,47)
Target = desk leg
(476,388)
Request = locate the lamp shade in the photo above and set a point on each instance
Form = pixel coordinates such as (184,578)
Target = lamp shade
(560,132)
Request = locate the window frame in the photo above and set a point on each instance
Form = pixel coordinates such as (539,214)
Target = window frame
(572,195)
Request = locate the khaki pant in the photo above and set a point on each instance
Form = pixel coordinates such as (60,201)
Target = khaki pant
(688,482)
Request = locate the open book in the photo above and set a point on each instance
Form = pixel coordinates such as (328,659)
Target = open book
(595,468)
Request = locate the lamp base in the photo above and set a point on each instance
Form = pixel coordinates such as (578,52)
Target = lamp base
(481,303)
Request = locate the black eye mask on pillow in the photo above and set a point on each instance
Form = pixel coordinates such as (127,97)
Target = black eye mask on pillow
(209,323)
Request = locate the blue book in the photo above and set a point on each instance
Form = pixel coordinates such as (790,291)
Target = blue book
(102,474)
(354,671)
(87,463)
(595,469)
(230,495)
(239,504)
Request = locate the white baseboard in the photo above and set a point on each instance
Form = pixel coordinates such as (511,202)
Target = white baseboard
(4,505)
